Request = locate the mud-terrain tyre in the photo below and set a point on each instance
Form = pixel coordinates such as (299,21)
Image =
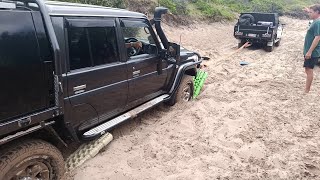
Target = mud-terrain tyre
(184,92)
(31,159)
(269,48)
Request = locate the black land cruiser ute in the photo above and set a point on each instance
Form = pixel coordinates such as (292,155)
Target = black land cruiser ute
(70,72)
(263,28)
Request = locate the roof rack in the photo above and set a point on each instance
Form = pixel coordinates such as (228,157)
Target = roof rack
(31,6)
(7,5)
(60,3)
(71,4)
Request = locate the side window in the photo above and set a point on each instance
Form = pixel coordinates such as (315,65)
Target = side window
(137,37)
(103,45)
(79,52)
(92,46)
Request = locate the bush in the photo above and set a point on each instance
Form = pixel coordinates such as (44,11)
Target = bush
(142,6)
(268,6)
(205,8)
(181,7)
(217,12)
(170,5)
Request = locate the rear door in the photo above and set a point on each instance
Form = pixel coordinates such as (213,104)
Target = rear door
(23,74)
(97,78)
(146,79)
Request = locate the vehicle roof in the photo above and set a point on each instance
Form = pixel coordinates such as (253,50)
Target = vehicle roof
(74,9)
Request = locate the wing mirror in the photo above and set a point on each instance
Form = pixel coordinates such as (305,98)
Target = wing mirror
(174,50)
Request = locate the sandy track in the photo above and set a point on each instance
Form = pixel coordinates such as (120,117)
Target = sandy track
(250,122)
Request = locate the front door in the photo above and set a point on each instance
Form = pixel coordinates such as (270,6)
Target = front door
(97,79)
(145,78)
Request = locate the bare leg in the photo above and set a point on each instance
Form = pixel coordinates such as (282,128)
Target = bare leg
(309,73)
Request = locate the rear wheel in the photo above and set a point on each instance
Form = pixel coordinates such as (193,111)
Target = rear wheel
(270,48)
(184,92)
(31,159)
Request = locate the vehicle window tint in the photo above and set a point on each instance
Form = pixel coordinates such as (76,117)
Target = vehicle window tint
(79,53)
(92,46)
(138,32)
(103,45)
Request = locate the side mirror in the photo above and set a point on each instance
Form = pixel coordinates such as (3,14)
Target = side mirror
(174,50)
(164,55)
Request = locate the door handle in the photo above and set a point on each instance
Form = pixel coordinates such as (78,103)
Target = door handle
(136,73)
(79,89)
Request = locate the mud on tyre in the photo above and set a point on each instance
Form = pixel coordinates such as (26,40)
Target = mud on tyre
(185,91)
(31,159)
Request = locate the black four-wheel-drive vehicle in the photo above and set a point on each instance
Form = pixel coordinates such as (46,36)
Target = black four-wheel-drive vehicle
(71,72)
(263,28)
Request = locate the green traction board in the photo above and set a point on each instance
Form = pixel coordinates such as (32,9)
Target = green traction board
(199,82)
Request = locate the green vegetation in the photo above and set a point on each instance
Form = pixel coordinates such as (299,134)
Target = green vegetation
(108,3)
(214,9)
(170,5)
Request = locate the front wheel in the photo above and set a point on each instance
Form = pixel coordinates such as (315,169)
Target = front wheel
(184,92)
(31,159)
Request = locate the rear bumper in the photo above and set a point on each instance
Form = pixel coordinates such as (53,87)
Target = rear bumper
(255,34)
(254,39)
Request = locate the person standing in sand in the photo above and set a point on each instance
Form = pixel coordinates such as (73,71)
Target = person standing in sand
(311,50)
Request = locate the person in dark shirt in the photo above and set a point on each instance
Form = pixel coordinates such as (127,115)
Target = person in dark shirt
(311,50)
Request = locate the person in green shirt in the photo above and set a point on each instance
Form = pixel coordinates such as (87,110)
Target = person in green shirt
(311,50)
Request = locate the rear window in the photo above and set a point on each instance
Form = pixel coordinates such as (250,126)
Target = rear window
(18,42)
